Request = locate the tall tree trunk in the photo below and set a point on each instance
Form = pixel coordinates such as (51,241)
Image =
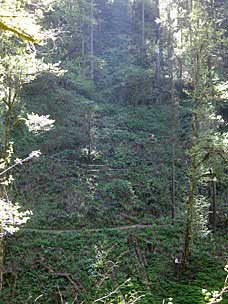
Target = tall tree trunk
(192,190)
(181,41)
(159,47)
(173,114)
(143,23)
(199,25)
(91,40)
(173,183)
(174,126)
(193,165)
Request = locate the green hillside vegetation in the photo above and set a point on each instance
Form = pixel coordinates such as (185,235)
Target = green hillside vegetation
(113,152)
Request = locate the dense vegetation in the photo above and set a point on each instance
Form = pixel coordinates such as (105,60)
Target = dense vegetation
(113,151)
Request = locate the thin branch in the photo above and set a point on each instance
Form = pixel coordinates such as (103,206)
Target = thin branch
(224,290)
(75,299)
(40,296)
(16,31)
(31,155)
(60,295)
(137,299)
(113,292)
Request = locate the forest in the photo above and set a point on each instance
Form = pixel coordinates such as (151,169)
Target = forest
(113,151)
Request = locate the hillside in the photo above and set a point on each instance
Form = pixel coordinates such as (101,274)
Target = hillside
(113,152)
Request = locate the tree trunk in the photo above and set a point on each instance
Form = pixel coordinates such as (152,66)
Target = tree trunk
(192,190)
(173,114)
(193,164)
(91,41)
(1,256)
(158,50)
(173,184)
(188,231)
(143,23)
(181,41)
(7,131)
(12,96)
(213,204)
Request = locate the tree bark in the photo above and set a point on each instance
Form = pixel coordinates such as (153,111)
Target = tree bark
(91,41)
(143,23)
(173,183)
(173,115)
(1,256)
(192,188)
(213,204)
(158,50)
(188,231)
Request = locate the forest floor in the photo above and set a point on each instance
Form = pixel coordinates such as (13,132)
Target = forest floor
(80,226)
(45,261)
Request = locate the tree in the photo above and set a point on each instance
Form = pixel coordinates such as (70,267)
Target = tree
(201,47)
(173,100)
(143,23)
(158,42)
(17,69)
(92,39)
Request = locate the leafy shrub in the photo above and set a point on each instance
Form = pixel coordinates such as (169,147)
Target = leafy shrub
(120,191)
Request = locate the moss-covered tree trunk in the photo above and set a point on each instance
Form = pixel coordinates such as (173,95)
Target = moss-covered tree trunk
(188,230)
(213,203)
(1,255)
(196,70)
(191,193)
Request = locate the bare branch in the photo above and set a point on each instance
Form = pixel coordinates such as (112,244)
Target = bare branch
(112,292)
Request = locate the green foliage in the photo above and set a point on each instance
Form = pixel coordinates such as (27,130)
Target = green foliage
(100,168)
(87,257)
(120,192)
